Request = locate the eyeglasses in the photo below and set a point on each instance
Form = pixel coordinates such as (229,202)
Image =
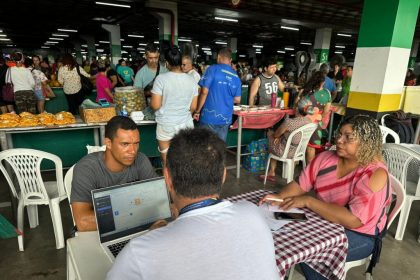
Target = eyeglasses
(348,138)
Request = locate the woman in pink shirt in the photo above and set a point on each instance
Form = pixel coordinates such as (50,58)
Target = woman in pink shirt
(351,188)
(103,85)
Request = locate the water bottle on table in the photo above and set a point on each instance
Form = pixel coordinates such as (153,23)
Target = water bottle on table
(124,111)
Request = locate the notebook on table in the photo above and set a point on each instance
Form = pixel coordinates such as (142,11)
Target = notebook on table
(126,211)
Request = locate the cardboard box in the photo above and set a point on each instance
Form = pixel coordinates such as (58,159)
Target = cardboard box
(97,115)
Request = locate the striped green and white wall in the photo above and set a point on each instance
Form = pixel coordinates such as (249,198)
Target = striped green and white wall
(382,54)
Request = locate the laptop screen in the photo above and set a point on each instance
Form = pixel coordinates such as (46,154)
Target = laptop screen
(127,209)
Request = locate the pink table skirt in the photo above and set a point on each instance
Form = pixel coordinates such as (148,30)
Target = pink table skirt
(260,119)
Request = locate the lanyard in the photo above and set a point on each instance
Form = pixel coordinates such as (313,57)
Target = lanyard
(199,204)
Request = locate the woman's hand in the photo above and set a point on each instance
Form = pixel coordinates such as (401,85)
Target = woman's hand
(300,201)
(276,141)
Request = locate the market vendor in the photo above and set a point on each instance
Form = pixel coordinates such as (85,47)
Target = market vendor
(120,163)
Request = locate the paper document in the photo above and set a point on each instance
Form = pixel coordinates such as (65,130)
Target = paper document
(273,224)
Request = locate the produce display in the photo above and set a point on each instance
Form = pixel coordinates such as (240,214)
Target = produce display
(26,119)
(131,97)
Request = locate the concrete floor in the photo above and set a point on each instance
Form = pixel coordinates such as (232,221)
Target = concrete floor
(40,260)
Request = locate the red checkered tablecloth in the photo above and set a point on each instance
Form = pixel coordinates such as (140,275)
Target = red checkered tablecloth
(319,243)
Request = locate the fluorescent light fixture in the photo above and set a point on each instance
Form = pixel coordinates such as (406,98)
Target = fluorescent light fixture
(281,52)
(258,46)
(338,52)
(340,47)
(292,55)
(60,35)
(10,45)
(135,36)
(184,40)
(45,47)
(142,44)
(197,45)
(343,35)
(242,55)
(127,46)
(96,45)
(66,30)
(257,50)
(124,52)
(122,40)
(156,42)
(140,49)
(220,43)
(99,50)
(84,46)
(289,28)
(104,42)
(306,43)
(56,39)
(112,4)
(206,49)
(226,19)
(83,52)
(1,31)
(51,42)
(3,35)
(289,49)
(4,39)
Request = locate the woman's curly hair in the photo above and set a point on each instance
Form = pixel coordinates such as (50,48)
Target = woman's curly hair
(366,130)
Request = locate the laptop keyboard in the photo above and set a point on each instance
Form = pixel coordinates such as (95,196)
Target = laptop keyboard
(117,247)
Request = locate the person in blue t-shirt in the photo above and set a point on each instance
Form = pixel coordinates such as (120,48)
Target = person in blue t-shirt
(126,73)
(220,89)
(329,83)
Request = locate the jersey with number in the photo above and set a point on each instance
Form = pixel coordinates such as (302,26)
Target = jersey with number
(267,87)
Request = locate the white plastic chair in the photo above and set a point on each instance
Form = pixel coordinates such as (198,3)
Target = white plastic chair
(399,192)
(32,190)
(387,131)
(67,185)
(306,132)
(398,159)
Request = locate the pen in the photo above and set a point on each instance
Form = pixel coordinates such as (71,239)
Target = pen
(275,199)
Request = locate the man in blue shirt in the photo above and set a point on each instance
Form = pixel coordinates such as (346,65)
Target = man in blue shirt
(329,83)
(220,89)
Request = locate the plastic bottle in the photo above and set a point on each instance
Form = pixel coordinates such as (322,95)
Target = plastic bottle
(273,99)
(286,99)
(124,111)
(282,105)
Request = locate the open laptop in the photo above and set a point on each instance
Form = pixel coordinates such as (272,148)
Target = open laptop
(125,211)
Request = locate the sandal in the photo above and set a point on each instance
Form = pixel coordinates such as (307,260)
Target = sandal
(269,178)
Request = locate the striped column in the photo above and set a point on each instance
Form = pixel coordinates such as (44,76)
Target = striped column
(383,49)
(413,54)
(322,45)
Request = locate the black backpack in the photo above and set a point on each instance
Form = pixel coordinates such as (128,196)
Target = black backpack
(400,122)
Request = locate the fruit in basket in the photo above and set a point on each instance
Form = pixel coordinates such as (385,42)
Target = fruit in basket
(63,118)
(10,116)
(7,123)
(29,121)
(46,119)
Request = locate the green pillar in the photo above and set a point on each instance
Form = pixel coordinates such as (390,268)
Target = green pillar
(413,54)
(322,45)
(115,41)
(383,50)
